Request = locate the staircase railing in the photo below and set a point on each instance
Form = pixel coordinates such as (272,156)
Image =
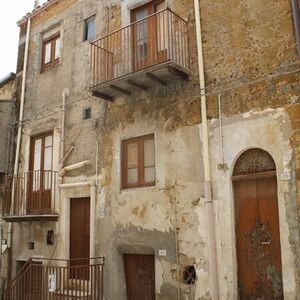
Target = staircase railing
(51,279)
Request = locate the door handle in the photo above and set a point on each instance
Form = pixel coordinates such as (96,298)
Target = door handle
(266,243)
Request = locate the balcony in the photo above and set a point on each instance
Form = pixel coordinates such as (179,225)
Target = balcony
(152,51)
(34,195)
(58,279)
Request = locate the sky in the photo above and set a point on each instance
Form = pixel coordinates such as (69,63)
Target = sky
(10,12)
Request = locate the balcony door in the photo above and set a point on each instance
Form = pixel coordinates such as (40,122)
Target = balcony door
(149,34)
(40,174)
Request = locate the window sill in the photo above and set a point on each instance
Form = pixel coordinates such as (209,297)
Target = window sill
(134,189)
(54,65)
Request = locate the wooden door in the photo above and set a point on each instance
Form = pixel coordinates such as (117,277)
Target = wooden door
(258,236)
(140,276)
(147,29)
(40,178)
(80,237)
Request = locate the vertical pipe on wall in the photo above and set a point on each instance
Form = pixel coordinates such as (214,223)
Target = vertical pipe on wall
(221,128)
(205,143)
(8,149)
(65,94)
(19,136)
(296,18)
(92,220)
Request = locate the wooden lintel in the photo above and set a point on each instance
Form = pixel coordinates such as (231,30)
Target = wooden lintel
(137,85)
(156,79)
(103,96)
(116,88)
(178,73)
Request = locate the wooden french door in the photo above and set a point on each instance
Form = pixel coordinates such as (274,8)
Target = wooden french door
(258,237)
(148,35)
(140,276)
(80,237)
(40,174)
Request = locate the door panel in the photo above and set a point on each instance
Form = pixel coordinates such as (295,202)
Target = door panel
(162,32)
(258,239)
(80,235)
(149,35)
(142,37)
(270,266)
(246,218)
(140,276)
(40,176)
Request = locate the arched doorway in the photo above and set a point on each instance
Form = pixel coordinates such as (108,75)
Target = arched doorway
(257,227)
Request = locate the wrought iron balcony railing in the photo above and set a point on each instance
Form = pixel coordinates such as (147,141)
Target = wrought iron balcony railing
(154,40)
(30,194)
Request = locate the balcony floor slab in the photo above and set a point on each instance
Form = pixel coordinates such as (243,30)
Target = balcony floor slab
(161,74)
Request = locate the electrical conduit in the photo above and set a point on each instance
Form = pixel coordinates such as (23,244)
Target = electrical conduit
(19,136)
(205,143)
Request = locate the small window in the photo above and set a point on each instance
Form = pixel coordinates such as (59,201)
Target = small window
(30,245)
(87,113)
(89,29)
(51,52)
(138,162)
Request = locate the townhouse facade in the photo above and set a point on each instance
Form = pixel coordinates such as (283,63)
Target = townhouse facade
(110,163)
(7,98)
(8,95)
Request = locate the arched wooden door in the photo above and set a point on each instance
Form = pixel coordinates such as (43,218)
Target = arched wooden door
(257,227)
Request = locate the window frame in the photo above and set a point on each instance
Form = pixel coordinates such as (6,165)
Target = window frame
(150,39)
(140,140)
(53,61)
(43,137)
(85,32)
(41,186)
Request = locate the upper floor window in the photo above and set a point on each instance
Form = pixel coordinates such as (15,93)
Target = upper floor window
(138,162)
(89,29)
(51,51)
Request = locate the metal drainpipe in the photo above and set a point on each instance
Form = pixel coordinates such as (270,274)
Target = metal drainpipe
(221,129)
(65,94)
(296,18)
(19,136)
(205,142)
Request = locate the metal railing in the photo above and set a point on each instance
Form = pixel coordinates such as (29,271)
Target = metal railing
(158,38)
(53,279)
(34,193)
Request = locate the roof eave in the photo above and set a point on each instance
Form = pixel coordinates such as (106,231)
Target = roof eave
(36,11)
(6,79)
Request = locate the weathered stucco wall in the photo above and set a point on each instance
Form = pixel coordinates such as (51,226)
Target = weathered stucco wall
(7,117)
(274,137)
